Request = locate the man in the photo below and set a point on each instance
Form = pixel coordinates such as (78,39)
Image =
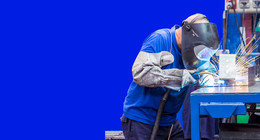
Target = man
(168,58)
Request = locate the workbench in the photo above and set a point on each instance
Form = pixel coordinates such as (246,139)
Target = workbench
(220,102)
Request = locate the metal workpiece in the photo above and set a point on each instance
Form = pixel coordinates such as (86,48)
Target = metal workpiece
(227,66)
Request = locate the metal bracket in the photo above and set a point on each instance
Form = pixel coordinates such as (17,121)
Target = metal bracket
(222,110)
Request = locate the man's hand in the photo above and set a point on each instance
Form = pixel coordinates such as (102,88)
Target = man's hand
(185,78)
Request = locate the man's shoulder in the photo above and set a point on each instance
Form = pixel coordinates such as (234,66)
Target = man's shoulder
(164,31)
(157,41)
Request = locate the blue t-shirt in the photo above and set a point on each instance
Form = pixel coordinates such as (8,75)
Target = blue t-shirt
(141,103)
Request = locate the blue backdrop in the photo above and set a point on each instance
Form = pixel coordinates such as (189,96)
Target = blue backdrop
(70,62)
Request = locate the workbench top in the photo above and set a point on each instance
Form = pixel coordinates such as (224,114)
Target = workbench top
(254,89)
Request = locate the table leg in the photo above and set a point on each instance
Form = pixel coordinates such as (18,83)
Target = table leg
(195,119)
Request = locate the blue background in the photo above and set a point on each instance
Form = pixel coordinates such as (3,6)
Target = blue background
(67,64)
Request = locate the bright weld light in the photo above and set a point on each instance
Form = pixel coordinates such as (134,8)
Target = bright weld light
(210,81)
(221,81)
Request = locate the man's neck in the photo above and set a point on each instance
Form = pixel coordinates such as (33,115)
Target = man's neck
(178,35)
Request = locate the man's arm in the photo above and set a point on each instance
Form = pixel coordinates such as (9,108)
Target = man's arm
(152,57)
(147,71)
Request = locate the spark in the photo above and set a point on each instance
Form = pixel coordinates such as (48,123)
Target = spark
(244,60)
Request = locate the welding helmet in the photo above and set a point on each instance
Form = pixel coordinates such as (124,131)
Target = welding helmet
(200,41)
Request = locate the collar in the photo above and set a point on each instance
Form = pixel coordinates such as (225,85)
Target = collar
(174,42)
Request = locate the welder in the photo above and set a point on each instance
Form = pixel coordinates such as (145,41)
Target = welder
(169,58)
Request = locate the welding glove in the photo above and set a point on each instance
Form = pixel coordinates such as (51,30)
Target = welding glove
(147,71)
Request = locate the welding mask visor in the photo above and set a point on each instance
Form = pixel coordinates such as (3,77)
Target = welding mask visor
(200,42)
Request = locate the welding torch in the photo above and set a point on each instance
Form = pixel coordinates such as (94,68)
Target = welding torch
(206,72)
(205,81)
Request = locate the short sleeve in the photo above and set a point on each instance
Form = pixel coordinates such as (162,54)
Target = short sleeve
(153,43)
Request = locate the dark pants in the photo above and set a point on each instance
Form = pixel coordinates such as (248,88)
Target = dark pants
(207,124)
(134,130)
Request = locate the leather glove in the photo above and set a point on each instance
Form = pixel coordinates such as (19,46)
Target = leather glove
(147,71)
(184,75)
(187,77)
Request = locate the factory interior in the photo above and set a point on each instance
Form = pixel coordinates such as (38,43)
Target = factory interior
(233,99)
